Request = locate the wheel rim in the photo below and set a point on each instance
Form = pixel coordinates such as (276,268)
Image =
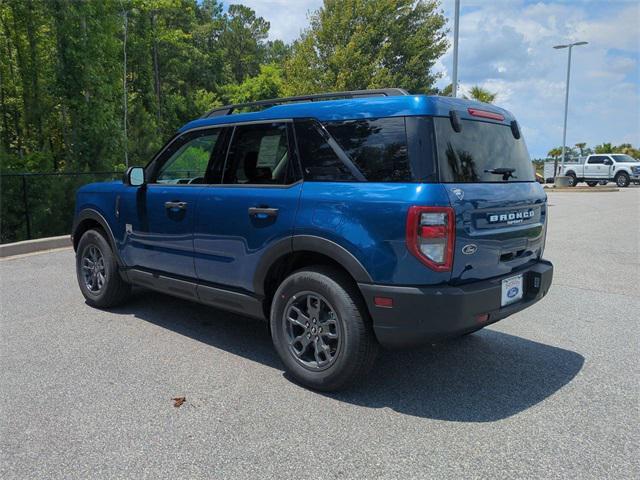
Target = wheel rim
(572,181)
(94,272)
(312,330)
(621,181)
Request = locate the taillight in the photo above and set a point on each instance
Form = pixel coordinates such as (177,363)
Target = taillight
(431,235)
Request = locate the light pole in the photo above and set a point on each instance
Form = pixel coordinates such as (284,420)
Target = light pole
(566,99)
(456,22)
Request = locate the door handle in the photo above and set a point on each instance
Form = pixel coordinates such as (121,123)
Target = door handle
(263,211)
(178,205)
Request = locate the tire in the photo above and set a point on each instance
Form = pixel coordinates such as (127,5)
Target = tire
(101,285)
(622,179)
(574,181)
(329,359)
(592,184)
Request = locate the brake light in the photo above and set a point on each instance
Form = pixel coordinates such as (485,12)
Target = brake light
(431,235)
(485,114)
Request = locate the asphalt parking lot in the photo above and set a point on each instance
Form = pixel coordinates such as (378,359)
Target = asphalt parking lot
(551,392)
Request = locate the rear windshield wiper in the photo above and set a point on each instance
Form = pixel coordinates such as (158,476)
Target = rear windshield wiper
(506,173)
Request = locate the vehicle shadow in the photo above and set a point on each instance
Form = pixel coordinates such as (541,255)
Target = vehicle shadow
(484,377)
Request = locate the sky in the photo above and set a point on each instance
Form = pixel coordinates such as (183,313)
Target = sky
(506,47)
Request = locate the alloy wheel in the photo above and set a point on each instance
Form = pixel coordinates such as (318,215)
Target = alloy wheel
(94,272)
(312,330)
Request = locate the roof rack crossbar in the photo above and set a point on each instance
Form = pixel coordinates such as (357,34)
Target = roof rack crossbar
(380,92)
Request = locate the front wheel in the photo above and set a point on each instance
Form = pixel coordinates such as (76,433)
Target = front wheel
(622,179)
(321,329)
(97,271)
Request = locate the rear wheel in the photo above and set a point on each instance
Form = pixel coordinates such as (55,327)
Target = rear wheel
(573,181)
(592,184)
(97,271)
(622,179)
(321,330)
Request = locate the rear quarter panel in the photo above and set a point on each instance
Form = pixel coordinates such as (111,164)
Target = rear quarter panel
(369,220)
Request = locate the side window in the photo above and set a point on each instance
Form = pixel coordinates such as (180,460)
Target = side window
(185,160)
(596,160)
(319,160)
(378,147)
(259,155)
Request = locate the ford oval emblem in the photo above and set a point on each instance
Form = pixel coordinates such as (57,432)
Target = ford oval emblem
(458,193)
(470,249)
(513,291)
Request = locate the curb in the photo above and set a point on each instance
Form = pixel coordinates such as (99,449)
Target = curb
(37,245)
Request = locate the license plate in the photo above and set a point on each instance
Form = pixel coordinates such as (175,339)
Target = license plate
(511,290)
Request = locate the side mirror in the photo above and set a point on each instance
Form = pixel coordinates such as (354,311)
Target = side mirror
(134,176)
(608,162)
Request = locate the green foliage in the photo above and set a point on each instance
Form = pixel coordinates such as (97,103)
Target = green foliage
(582,150)
(267,84)
(482,94)
(64,82)
(625,148)
(477,93)
(358,44)
(604,148)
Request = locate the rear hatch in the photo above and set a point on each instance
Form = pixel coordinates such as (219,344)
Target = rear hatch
(500,210)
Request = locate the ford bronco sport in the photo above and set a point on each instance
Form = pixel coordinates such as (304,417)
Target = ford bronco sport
(347,220)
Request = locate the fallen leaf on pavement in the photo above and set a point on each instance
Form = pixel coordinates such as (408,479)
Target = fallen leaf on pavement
(177,401)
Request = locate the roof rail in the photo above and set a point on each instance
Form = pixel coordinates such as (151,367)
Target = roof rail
(380,92)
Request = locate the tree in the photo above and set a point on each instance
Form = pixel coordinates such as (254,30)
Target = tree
(359,44)
(242,38)
(276,52)
(446,91)
(604,148)
(627,149)
(477,93)
(555,153)
(482,95)
(267,84)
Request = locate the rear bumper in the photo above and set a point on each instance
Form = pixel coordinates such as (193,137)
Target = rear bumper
(429,314)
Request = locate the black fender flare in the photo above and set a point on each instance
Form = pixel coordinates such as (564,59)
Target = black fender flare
(94,215)
(309,243)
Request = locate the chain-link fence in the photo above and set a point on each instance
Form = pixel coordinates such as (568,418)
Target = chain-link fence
(36,205)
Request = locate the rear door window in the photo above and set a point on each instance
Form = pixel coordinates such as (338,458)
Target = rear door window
(481,152)
(259,155)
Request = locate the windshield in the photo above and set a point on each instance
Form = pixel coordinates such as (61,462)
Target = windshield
(624,159)
(482,152)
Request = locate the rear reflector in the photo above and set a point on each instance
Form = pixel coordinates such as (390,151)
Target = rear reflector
(482,318)
(384,302)
(485,114)
(430,236)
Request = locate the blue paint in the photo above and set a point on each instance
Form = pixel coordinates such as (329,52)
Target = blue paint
(215,240)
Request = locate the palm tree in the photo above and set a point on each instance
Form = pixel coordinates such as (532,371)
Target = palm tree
(555,153)
(482,95)
(477,93)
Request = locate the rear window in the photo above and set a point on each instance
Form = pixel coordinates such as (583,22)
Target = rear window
(481,152)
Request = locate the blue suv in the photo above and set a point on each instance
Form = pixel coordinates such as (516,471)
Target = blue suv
(346,220)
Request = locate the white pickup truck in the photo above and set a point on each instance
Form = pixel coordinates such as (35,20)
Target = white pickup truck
(605,167)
